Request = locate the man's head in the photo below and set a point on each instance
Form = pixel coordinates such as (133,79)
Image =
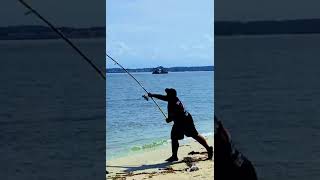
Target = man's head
(171,93)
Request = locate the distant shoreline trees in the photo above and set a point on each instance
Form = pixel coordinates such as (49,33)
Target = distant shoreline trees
(171,69)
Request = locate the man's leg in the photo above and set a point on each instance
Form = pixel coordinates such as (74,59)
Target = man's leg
(174,148)
(176,134)
(204,143)
(190,130)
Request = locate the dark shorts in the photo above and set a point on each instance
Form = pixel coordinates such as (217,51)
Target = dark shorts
(185,127)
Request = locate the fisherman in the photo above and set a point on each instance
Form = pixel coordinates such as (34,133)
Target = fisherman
(229,162)
(183,123)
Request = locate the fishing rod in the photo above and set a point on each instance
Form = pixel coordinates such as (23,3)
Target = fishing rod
(138,83)
(80,52)
(31,10)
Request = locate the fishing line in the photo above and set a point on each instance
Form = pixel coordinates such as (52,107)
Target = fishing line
(138,83)
(63,37)
(80,52)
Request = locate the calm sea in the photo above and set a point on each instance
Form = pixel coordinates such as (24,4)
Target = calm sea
(47,107)
(267,93)
(135,125)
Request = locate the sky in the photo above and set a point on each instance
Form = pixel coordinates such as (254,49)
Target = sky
(87,13)
(76,13)
(149,33)
(266,9)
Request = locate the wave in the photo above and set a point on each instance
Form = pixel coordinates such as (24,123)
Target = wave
(158,143)
(149,145)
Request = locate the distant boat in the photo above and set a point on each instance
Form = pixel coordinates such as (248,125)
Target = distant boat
(159,70)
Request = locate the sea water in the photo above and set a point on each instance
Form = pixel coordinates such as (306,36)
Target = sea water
(267,94)
(51,100)
(135,125)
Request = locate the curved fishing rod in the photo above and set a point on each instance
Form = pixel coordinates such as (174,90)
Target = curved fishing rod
(138,83)
(63,37)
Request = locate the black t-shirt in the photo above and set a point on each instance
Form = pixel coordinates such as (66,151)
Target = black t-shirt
(176,110)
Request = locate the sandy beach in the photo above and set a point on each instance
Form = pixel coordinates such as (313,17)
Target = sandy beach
(151,165)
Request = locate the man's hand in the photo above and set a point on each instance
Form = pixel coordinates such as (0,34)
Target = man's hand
(145,97)
(168,120)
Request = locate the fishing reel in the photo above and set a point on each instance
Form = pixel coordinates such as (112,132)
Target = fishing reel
(146,97)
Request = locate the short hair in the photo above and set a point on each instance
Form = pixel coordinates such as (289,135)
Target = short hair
(171,92)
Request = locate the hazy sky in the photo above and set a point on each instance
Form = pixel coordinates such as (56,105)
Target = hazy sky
(148,33)
(266,9)
(61,12)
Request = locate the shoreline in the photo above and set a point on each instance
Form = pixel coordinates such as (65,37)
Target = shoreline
(147,72)
(151,146)
(140,149)
(50,40)
(151,164)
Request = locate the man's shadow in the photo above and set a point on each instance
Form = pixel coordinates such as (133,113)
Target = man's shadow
(163,165)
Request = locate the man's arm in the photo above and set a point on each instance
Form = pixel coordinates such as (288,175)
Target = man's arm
(158,96)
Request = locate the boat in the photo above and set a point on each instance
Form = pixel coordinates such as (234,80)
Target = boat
(159,70)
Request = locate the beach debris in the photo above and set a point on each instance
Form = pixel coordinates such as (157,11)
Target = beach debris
(168,170)
(117,177)
(193,168)
(190,162)
(194,152)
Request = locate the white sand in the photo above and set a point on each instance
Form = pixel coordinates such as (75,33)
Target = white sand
(151,164)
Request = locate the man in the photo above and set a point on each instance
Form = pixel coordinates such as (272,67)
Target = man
(229,162)
(183,123)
